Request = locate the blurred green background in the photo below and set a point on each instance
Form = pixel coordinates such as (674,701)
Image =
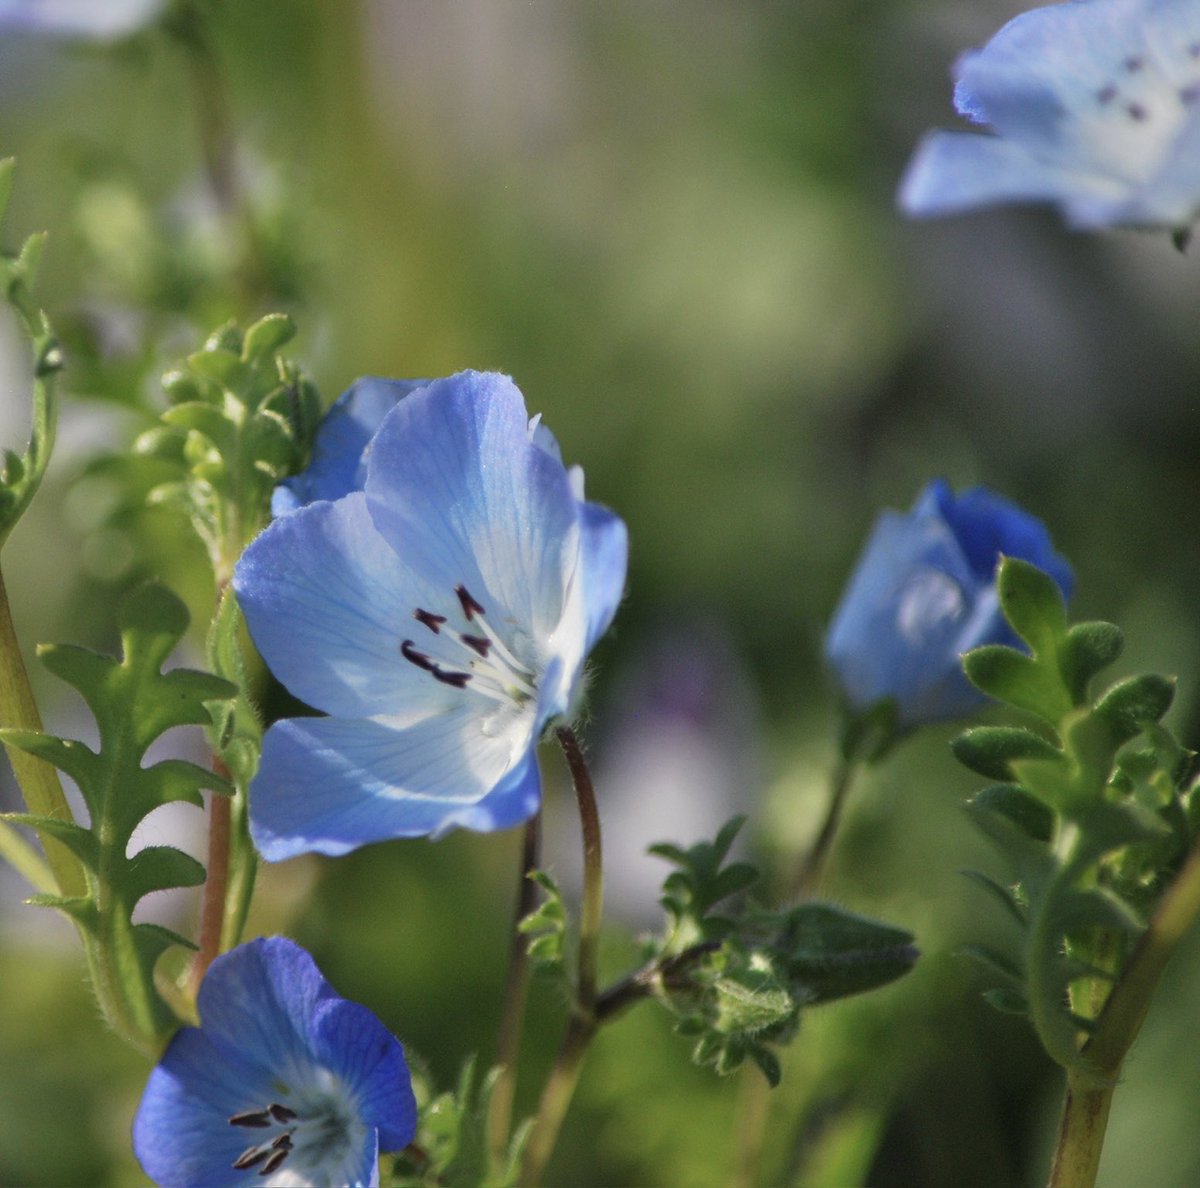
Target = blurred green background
(672,223)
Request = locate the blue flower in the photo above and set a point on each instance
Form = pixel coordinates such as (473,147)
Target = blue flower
(923,593)
(440,616)
(105,20)
(284,1082)
(1096,107)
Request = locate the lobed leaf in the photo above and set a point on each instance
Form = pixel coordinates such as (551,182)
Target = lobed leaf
(990,750)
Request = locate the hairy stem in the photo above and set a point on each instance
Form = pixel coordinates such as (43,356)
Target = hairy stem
(560,1085)
(212,909)
(508,1045)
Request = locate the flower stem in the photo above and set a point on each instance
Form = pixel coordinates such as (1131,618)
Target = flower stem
(560,1085)
(38,780)
(813,866)
(508,1045)
(1089,1091)
(212,910)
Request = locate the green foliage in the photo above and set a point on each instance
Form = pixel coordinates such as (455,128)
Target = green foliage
(21,474)
(737,982)
(450,1149)
(1095,810)
(241,418)
(546,927)
(134,702)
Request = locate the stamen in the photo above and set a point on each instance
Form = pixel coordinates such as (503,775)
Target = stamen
(457,680)
(1194,49)
(1137,112)
(250,1156)
(470,607)
(1107,93)
(477,643)
(275,1161)
(283,1142)
(409,652)
(432,621)
(1189,94)
(1133,64)
(251,1118)
(281,1113)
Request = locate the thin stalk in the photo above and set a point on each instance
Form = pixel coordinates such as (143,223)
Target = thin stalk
(564,1076)
(38,780)
(512,1014)
(216,882)
(25,860)
(813,866)
(1089,1091)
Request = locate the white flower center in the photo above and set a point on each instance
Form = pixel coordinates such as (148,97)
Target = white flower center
(314,1140)
(476,658)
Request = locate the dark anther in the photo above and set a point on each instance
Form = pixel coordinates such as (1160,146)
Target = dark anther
(249,1157)
(1133,64)
(1137,112)
(457,679)
(477,643)
(470,607)
(271,1164)
(281,1113)
(1194,49)
(432,621)
(1107,93)
(283,1142)
(410,653)
(1190,94)
(251,1118)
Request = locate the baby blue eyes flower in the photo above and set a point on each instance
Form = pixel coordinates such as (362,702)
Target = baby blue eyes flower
(440,616)
(1095,106)
(283,1082)
(101,19)
(923,593)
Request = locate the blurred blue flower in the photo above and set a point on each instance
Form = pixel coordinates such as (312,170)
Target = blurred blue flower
(284,1082)
(923,593)
(102,19)
(440,616)
(1096,107)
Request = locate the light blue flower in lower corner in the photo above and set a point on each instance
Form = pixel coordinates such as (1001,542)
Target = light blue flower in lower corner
(1094,106)
(923,593)
(283,1082)
(440,617)
(104,20)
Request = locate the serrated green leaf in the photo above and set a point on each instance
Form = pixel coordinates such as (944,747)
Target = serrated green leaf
(1019,680)
(157,868)
(1088,648)
(990,750)
(80,909)
(1007,1001)
(1032,604)
(267,335)
(1000,892)
(996,963)
(75,837)
(1133,704)
(1023,810)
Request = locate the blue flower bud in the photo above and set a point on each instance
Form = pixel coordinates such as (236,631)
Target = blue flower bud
(923,593)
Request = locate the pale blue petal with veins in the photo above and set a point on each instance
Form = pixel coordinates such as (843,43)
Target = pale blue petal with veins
(441,616)
(1093,105)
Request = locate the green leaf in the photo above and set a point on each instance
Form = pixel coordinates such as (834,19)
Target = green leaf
(134,702)
(1005,895)
(1012,802)
(989,750)
(267,335)
(546,926)
(1133,704)
(1089,648)
(1008,1002)
(1032,604)
(1010,676)
(996,963)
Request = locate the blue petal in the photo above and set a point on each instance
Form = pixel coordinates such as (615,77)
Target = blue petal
(181,1134)
(79,18)
(1173,200)
(895,633)
(328,605)
(350,1041)
(459,489)
(331,785)
(951,172)
(987,526)
(338,465)
(603,560)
